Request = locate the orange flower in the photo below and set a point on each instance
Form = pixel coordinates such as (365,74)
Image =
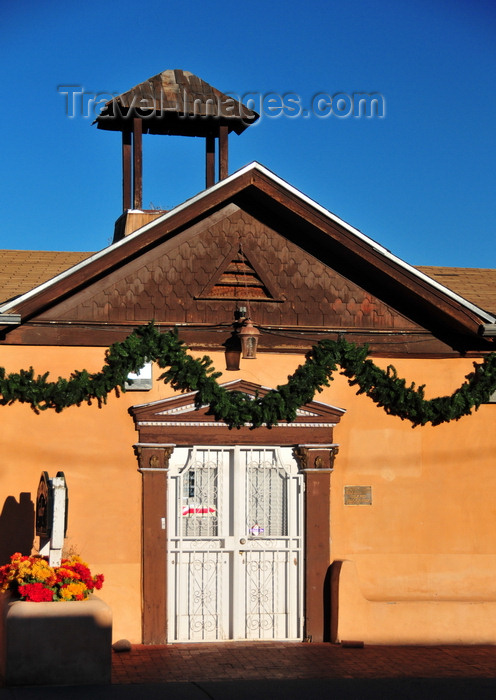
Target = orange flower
(34,579)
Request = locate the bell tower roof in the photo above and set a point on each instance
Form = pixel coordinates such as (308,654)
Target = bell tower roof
(173,103)
(176,102)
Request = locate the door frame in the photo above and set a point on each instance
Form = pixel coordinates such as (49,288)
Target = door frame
(232,552)
(162,425)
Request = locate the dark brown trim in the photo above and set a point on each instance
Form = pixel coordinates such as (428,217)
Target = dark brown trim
(317,464)
(154,463)
(138,162)
(218,435)
(126,170)
(317,551)
(223,152)
(285,340)
(169,415)
(209,161)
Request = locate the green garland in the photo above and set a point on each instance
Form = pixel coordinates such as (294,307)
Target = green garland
(184,373)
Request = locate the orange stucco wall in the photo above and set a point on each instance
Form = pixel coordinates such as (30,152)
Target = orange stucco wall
(420,562)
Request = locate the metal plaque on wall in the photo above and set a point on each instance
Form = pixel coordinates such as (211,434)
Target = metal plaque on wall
(358,495)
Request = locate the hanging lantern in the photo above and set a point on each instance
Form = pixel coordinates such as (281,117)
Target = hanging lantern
(233,352)
(249,340)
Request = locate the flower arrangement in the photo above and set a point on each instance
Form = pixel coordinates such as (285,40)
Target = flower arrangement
(36,581)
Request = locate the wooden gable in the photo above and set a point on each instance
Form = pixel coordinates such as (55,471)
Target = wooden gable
(180,281)
(250,241)
(177,420)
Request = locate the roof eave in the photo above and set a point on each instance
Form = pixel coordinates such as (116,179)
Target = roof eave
(488,330)
(10,319)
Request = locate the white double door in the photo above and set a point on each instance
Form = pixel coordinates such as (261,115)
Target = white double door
(235,557)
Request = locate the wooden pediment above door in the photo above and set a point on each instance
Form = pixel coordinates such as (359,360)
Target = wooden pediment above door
(177,420)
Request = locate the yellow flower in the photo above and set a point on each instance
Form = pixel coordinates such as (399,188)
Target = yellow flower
(73,591)
(34,569)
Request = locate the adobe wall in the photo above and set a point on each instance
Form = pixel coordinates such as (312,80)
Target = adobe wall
(420,561)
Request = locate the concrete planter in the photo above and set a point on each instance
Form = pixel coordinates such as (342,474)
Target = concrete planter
(63,643)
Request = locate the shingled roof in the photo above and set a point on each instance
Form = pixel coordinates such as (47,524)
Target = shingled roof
(478,285)
(175,102)
(22,270)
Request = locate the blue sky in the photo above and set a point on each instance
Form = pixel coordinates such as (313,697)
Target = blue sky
(420,179)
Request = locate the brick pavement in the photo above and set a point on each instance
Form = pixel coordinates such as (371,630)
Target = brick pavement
(274,660)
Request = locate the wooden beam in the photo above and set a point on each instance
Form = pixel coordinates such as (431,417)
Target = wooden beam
(138,163)
(126,170)
(316,463)
(153,463)
(223,152)
(210,161)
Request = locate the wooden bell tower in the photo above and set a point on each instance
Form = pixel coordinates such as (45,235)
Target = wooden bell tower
(175,103)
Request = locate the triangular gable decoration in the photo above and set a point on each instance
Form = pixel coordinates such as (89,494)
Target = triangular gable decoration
(177,420)
(240,277)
